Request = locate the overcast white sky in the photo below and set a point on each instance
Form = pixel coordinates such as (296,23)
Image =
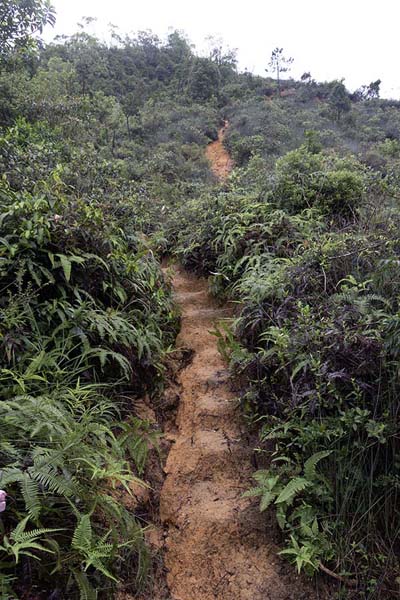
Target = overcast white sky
(354,39)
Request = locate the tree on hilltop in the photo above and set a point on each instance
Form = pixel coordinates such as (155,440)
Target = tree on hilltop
(339,99)
(368,92)
(279,64)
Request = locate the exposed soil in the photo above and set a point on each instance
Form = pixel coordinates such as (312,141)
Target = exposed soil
(220,160)
(217,543)
(208,542)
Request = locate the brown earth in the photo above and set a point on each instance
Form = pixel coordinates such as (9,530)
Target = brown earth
(211,543)
(217,543)
(220,160)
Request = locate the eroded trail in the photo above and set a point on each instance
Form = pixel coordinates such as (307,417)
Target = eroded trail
(216,547)
(220,160)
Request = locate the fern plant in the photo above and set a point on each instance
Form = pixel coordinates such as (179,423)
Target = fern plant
(292,495)
(86,320)
(23,543)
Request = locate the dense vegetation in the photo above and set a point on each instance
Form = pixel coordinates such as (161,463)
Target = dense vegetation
(85,321)
(103,171)
(310,251)
(307,244)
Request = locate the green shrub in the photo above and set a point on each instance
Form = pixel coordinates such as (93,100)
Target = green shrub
(319,365)
(305,179)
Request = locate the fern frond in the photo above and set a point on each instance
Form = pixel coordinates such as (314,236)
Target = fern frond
(30,494)
(310,472)
(82,537)
(87,592)
(47,475)
(295,485)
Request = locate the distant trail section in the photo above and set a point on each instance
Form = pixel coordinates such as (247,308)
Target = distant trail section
(218,156)
(217,546)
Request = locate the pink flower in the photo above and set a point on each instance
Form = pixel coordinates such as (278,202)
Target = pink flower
(3,497)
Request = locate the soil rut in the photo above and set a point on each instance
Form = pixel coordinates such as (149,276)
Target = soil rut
(216,545)
(221,162)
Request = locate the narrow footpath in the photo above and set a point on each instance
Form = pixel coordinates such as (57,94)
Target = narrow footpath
(219,158)
(216,544)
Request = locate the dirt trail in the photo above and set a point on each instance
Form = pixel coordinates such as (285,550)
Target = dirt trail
(216,545)
(221,162)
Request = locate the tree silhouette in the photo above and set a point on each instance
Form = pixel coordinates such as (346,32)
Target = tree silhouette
(279,64)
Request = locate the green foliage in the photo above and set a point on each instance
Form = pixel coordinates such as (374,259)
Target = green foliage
(85,319)
(305,179)
(23,543)
(61,456)
(293,496)
(102,166)
(204,80)
(339,100)
(19,21)
(313,350)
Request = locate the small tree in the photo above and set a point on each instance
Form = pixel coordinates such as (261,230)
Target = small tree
(306,77)
(368,92)
(204,79)
(279,64)
(373,89)
(339,99)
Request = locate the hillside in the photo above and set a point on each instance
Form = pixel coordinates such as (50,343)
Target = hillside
(199,318)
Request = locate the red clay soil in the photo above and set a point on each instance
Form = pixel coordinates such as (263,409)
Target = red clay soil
(217,543)
(220,161)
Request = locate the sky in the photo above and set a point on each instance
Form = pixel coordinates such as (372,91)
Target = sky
(357,40)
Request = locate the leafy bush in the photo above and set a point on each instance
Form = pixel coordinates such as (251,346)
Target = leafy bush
(63,451)
(85,315)
(319,362)
(305,179)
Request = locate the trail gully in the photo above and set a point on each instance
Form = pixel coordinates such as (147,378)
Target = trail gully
(216,545)
(220,160)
